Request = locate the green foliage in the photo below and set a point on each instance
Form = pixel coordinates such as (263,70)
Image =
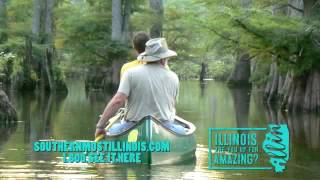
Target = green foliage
(264,35)
(185,69)
(18,70)
(5,58)
(12,70)
(201,31)
(290,40)
(84,33)
(18,26)
(194,43)
(261,73)
(219,70)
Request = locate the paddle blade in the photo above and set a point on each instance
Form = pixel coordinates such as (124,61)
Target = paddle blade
(99,138)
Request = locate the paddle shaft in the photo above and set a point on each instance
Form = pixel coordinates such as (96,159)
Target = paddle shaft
(110,123)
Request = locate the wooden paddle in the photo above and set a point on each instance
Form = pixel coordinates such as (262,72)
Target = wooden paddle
(111,121)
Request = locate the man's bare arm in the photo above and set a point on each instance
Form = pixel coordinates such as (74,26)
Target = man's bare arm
(113,106)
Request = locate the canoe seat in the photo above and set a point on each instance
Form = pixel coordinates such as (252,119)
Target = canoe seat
(177,127)
(120,127)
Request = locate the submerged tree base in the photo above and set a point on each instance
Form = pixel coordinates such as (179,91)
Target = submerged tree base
(295,93)
(98,78)
(7,112)
(304,93)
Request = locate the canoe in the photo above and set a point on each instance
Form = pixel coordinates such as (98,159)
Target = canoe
(182,144)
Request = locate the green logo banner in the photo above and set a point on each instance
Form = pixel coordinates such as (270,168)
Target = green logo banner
(249,148)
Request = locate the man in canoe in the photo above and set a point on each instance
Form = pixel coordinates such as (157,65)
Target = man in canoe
(139,44)
(151,89)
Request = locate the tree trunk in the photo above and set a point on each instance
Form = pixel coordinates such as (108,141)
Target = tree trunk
(36,19)
(36,30)
(3,20)
(5,75)
(280,87)
(283,92)
(203,71)
(281,82)
(116,67)
(245,3)
(312,93)
(48,54)
(303,93)
(241,73)
(295,8)
(309,7)
(296,96)
(271,114)
(121,11)
(48,25)
(157,8)
(48,66)
(7,112)
(304,90)
(126,21)
(25,82)
(28,58)
(275,83)
(242,70)
(269,82)
(116,20)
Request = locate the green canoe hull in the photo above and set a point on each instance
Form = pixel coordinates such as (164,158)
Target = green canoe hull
(151,131)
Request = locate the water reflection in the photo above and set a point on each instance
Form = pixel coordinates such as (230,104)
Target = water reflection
(6,130)
(211,105)
(304,127)
(36,111)
(241,100)
(203,87)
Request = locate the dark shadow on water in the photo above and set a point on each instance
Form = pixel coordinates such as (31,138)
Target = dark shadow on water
(203,86)
(304,127)
(6,130)
(99,95)
(241,101)
(36,113)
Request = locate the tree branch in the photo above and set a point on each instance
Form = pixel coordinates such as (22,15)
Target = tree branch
(287,5)
(245,27)
(94,52)
(295,8)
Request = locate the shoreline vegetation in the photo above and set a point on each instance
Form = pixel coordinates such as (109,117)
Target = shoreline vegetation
(272,46)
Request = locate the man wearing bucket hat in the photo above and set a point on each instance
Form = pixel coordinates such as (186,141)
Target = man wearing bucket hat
(151,89)
(139,44)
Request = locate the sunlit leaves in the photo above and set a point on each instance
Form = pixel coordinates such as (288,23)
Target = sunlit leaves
(83,30)
(212,29)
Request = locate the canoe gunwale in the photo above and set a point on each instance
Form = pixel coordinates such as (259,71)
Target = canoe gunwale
(189,125)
